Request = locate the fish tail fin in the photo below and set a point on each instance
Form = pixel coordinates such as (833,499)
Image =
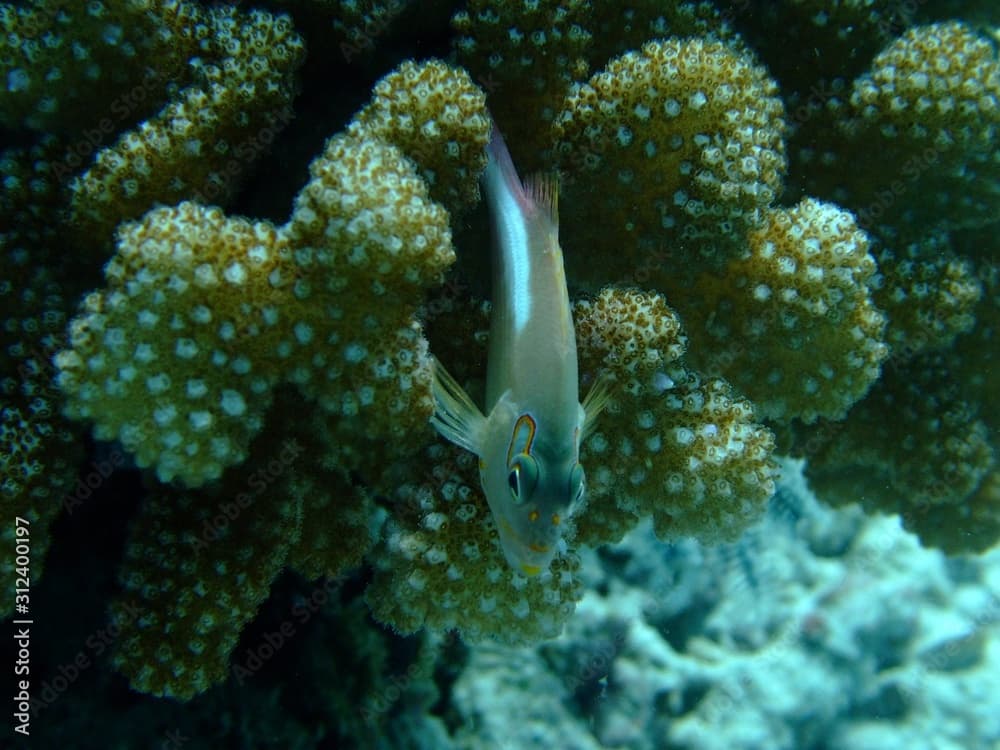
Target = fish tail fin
(456,417)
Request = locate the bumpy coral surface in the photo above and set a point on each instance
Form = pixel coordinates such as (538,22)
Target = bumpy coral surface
(68,64)
(924,128)
(675,445)
(250,305)
(200,144)
(537,48)
(212,339)
(917,446)
(175,358)
(434,113)
(441,566)
(368,240)
(928,294)
(686,138)
(792,322)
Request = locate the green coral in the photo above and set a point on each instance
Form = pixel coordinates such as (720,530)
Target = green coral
(675,445)
(792,321)
(685,137)
(69,65)
(436,115)
(204,315)
(196,568)
(441,566)
(535,48)
(918,447)
(202,141)
(213,340)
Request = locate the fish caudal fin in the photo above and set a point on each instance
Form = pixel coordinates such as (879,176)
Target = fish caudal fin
(456,417)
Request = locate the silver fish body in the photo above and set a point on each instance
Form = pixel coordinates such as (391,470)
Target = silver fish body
(529,444)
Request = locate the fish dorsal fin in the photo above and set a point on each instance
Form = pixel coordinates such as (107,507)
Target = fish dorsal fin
(543,191)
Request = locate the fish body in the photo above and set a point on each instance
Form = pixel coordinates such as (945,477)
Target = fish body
(528,442)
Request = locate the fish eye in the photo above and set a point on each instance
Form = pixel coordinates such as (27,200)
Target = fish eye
(514,483)
(577,485)
(522,478)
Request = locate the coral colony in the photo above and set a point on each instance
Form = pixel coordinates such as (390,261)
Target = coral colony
(747,258)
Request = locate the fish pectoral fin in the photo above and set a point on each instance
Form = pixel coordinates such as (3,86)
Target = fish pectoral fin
(598,396)
(455,416)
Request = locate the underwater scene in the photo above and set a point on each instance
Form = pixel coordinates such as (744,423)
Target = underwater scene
(474,374)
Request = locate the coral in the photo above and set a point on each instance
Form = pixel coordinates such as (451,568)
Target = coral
(536,49)
(218,312)
(829,42)
(364,225)
(915,446)
(199,563)
(792,322)
(199,145)
(441,566)
(196,569)
(337,524)
(69,65)
(39,455)
(674,445)
(968,528)
(922,127)
(203,315)
(618,26)
(357,21)
(680,143)
(40,451)
(435,115)
(928,294)
(175,358)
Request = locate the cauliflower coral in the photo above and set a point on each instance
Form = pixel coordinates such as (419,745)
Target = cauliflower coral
(755,246)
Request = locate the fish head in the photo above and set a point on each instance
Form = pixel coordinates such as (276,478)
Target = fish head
(534,492)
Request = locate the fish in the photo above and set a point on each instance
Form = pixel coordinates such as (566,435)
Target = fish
(528,439)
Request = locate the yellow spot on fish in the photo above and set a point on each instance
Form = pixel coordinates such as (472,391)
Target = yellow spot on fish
(555,519)
(533,516)
(530,570)
(541,548)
